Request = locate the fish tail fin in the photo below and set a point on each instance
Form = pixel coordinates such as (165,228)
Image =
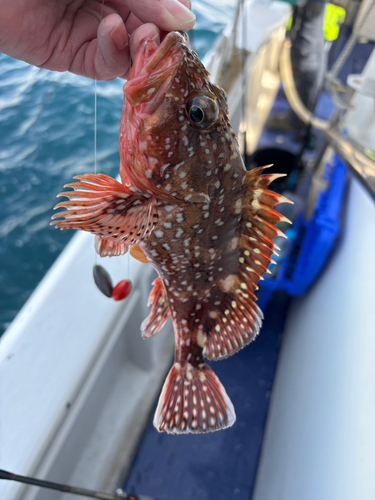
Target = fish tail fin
(193,400)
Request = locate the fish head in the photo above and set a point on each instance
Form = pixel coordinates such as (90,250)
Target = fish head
(172,113)
(151,74)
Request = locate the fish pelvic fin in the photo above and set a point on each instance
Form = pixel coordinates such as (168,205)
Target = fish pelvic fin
(160,311)
(137,253)
(103,206)
(107,248)
(238,319)
(193,401)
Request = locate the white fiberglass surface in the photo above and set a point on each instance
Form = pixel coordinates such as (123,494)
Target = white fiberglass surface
(320,436)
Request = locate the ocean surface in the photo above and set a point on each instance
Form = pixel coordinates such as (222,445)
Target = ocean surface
(46,138)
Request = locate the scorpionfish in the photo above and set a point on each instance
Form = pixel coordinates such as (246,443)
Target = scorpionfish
(187,205)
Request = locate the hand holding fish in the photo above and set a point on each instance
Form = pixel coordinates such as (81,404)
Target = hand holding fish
(92,38)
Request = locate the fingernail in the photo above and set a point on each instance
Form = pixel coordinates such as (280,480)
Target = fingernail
(181,13)
(121,41)
(187,3)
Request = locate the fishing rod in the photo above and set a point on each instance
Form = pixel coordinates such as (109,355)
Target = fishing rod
(64,488)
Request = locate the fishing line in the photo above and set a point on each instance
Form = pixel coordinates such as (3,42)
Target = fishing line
(95,122)
(96,103)
(101,277)
(241,25)
(96,119)
(95,144)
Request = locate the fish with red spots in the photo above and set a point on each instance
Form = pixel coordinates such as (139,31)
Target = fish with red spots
(187,205)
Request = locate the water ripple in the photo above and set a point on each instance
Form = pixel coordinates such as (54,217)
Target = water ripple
(47,137)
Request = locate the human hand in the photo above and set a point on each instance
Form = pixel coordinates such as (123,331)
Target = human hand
(93,38)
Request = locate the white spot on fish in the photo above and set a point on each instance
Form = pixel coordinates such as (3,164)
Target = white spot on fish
(178,166)
(148,173)
(163,168)
(159,234)
(238,206)
(201,338)
(228,283)
(179,232)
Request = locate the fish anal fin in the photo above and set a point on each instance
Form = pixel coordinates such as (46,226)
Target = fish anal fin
(193,401)
(107,248)
(236,323)
(103,206)
(160,311)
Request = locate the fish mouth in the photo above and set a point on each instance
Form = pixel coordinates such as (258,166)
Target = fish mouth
(153,68)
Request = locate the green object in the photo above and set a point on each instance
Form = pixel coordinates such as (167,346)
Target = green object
(370,154)
(333,18)
(292,2)
(289,23)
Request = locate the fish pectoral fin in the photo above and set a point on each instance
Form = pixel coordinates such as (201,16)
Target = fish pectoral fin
(160,311)
(237,321)
(103,206)
(193,400)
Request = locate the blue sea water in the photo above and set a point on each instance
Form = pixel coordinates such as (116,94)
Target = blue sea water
(46,138)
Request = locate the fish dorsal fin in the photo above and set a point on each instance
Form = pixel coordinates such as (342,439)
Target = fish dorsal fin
(103,206)
(160,311)
(237,321)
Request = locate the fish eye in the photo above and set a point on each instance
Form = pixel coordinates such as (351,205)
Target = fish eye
(202,111)
(196,114)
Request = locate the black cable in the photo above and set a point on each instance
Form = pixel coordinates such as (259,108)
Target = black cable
(64,488)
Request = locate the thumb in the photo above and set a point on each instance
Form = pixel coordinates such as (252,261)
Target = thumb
(168,15)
